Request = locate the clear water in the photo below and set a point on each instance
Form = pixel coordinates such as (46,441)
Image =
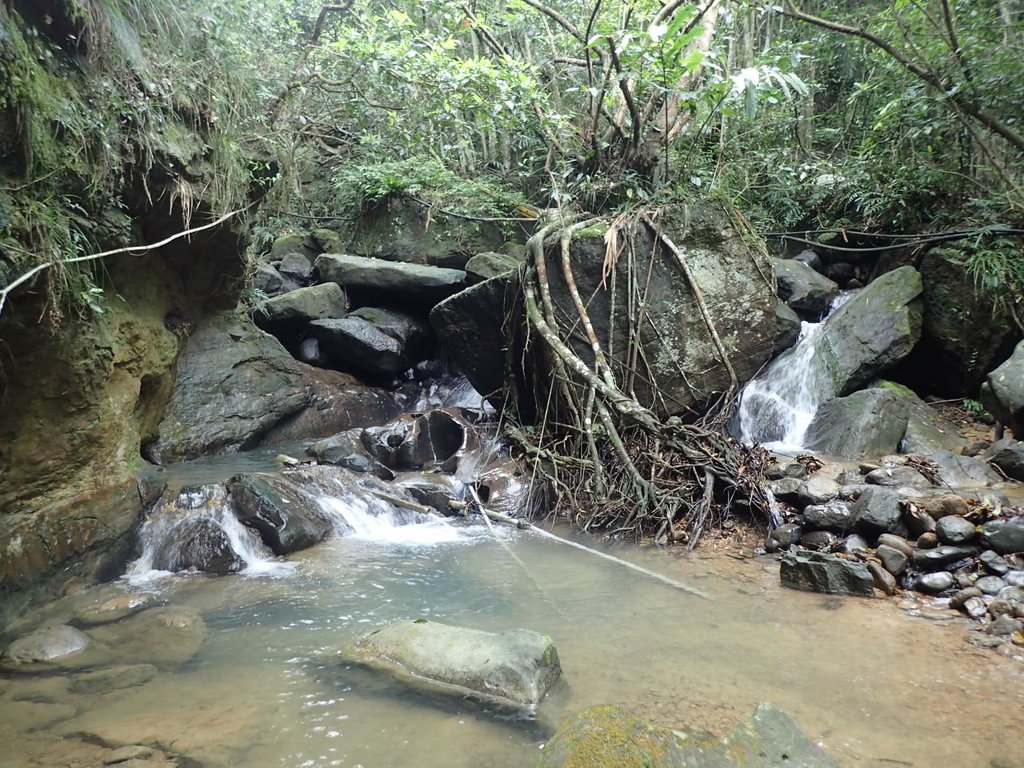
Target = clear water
(874,687)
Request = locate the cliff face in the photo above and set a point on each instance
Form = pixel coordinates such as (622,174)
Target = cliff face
(98,151)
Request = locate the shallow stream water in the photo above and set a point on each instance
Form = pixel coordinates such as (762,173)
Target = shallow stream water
(874,687)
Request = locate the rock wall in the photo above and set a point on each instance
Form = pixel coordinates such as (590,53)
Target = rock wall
(87,355)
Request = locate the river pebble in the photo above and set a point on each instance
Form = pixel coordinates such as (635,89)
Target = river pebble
(1015,578)
(896,542)
(962,596)
(918,521)
(895,562)
(952,529)
(927,540)
(884,580)
(990,585)
(1000,607)
(994,562)
(836,515)
(975,607)
(855,543)
(938,581)
(819,540)
(1005,625)
(1013,595)
(114,609)
(787,534)
(940,557)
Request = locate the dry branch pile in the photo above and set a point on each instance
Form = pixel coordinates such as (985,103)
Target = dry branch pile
(611,462)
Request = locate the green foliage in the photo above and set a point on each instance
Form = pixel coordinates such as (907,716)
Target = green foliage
(359,188)
(996,265)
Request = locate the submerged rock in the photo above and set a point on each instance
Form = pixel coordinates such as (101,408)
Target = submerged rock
(113,678)
(46,645)
(516,667)
(613,737)
(821,572)
(198,544)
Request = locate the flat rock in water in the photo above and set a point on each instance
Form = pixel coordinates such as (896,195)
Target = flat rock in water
(963,471)
(114,609)
(113,678)
(940,557)
(516,667)
(821,572)
(46,645)
(934,582)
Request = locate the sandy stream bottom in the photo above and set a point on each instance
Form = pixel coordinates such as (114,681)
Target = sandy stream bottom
(872,685)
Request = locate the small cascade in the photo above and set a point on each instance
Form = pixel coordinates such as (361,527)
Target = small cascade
(197,530)
(376,520)
(452,392)
(778,406)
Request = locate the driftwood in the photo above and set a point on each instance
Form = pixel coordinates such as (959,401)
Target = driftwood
(612,464)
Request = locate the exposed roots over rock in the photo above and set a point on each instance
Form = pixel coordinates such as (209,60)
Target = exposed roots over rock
(611,462)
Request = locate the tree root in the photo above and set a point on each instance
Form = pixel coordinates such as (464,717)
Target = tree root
(618,467)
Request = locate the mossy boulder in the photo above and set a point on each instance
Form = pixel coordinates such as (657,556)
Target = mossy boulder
(873,331)
(964,334)
(613,737)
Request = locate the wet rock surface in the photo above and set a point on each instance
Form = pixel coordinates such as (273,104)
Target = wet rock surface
(821,572)
(517,666)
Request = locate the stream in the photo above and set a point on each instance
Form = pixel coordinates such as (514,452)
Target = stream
(873,687)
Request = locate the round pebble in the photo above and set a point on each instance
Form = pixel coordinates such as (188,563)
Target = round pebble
(975,607)
(1005,625)
(1015,578)
(993,562)
(1000,607)
(896,542)
(787,534)
(895,562)
(934,582)
(990,585)
(957,601)
(928,540)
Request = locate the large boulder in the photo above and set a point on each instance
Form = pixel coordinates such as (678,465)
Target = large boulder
(471,329)
(516,667)
(411,331)
(1003,392)
(486,265)
(964,335)
(612,737)
(872,331)
(666,356)
(358,345)
(233,384)
(866,424)
(286,517)
(293,310)
(370,281)
(1010,460)
(803,289)
(198,544)
(787,328)
(401,229)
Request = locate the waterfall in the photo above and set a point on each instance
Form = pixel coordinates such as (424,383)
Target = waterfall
(777,407)
(452,392)
(376,520)
(198,525)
